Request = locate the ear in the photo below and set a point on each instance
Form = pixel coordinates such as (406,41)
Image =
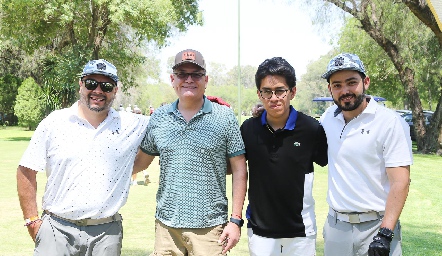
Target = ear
(293,92)
(366,83)
(172,78)
(79,83)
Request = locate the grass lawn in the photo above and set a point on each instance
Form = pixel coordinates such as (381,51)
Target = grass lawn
(421,221)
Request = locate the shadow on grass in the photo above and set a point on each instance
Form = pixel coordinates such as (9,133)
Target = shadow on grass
(135,252)
(18,139)
(416,240)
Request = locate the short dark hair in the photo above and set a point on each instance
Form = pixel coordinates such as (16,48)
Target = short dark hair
(276,66)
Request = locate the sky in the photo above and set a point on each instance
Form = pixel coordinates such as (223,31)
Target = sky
(267,29)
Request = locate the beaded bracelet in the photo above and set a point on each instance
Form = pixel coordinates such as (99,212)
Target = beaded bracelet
(31,220)
(236,215)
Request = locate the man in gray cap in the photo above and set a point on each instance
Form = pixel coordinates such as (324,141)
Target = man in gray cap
(369,158)
(193,138)
(87,152)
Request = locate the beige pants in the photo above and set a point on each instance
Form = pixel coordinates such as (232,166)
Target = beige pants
(187,241)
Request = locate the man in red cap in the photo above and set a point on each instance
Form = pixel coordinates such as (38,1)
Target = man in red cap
(193,137)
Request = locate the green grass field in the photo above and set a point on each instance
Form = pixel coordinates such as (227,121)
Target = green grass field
(421,219)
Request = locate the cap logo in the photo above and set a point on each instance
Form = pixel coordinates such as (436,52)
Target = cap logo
(101,66)
(339,61)
(188,56)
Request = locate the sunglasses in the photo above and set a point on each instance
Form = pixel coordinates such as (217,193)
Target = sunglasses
(91,85)
(184,76)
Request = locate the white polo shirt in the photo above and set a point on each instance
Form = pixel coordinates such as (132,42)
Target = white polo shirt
(358,154)
(88,170)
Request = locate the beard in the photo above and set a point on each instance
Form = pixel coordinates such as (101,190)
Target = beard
(85,99)
(348,106)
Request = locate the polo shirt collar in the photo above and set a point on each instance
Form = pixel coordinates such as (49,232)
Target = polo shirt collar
(207,106)
(291,121)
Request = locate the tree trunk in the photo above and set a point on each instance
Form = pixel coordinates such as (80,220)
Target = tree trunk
(406,75)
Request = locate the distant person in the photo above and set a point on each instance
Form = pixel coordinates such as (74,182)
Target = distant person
(193,138)
(281,148)
(87,152)
(129,108)
(151,110)
(136,110)
(121,108)
(369,165)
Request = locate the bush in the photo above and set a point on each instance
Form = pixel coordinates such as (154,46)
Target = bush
(29,104)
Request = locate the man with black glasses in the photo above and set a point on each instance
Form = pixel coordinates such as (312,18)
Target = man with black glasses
(281,147)
(87,152)
(193,138)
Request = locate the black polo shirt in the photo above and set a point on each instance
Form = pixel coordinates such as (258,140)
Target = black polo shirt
(278,163)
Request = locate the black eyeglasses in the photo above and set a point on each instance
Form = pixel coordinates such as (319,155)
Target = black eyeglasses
(184,76)
(279,93)
(91,84)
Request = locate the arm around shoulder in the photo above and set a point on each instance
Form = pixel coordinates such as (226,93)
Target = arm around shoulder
(142,161)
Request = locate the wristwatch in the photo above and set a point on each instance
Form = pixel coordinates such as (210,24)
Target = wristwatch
(386,232)
(238,222)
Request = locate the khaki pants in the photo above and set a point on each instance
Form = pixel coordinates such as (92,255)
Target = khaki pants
(187,241)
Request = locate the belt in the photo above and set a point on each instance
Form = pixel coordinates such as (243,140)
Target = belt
(88,222)
(356,217)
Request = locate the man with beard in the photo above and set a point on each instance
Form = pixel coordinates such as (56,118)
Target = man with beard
(369,154)
(87,152)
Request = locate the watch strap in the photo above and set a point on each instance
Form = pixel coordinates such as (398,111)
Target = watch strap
(239,222)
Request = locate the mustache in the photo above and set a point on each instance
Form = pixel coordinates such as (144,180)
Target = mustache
(347,95)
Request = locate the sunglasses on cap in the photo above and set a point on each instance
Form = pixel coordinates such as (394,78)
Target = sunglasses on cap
(91,85)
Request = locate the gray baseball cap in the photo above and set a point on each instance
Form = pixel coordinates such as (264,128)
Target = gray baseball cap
(100,67)
(189,56)
(344,61)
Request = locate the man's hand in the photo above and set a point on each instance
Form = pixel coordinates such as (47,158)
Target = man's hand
(380,245)
(33,229)
(230,236)
(218,100)
(257,110)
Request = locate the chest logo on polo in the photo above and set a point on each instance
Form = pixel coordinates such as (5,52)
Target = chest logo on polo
(297,144)
(366,131)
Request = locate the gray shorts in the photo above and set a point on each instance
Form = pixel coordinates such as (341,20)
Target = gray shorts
(347,239)
(60,237)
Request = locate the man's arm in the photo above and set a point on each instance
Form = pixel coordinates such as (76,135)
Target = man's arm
(142,161)
(399,178)
(27,195)
(232,232)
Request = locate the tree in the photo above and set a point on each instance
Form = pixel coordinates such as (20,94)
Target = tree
(29,106)
(61,36)
(311,85)
(383,21)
